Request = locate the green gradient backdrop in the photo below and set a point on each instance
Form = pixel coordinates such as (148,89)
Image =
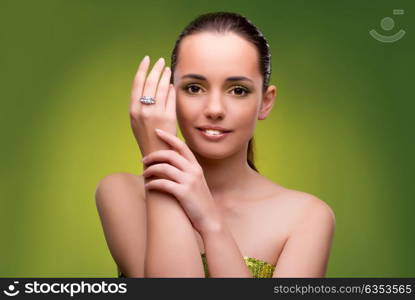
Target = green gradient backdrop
(341,128)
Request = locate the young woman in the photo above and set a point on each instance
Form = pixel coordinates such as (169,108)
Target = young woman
(201,208)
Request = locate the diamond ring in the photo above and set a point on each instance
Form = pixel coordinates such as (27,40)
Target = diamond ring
(147,100)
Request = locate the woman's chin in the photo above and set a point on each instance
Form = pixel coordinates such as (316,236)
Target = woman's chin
(213,156)
(209,151)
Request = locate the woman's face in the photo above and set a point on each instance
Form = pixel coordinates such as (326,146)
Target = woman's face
(218,83)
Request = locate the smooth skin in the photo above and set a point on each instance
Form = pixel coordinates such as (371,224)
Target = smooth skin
(233,211)
(166,221)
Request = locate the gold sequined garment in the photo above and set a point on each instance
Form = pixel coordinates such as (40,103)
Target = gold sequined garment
(258,268)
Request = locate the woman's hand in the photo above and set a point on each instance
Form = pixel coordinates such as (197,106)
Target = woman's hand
(182,176)
(144,118)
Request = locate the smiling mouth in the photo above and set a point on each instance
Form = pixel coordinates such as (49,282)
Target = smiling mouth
(213,134)
(213,131)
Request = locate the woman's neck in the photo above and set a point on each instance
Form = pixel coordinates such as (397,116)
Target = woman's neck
(226,177)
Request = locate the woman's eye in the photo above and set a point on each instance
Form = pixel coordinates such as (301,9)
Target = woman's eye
(192,89)
(240,91)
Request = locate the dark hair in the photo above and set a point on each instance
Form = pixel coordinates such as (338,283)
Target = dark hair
(223,22)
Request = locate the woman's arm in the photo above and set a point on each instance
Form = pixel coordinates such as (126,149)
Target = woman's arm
(175,253)
(171,247)
(307,250)
(184,178)
(222,253)
(172,250)
(120,203)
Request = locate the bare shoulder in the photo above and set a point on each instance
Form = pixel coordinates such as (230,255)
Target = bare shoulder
(308,209)
(306,201)
(117,184)
(295,208)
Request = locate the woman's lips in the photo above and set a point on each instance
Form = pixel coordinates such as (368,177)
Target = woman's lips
(213,137)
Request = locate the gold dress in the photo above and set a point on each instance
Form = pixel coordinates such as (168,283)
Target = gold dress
(258,268)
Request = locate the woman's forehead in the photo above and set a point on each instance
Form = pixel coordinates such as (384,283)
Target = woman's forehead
(217,54)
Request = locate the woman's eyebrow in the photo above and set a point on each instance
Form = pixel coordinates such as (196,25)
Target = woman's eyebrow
(233,78)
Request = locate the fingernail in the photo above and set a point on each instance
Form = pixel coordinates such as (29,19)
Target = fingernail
(146,57)
(161,59)
(159,130)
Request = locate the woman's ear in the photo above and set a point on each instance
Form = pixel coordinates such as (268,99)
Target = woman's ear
(267,102)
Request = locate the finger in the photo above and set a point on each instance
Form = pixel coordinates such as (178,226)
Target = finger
(152,80)
(164,185)
(163,87)
(171,100)
(164,170)
(177,144)
(138,84)
(170,156)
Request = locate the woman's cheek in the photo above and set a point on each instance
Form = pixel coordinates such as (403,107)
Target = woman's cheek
(247,119)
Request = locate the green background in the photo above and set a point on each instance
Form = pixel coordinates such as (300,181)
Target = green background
(341,128)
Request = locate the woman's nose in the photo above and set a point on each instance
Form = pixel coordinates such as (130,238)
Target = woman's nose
(215,108)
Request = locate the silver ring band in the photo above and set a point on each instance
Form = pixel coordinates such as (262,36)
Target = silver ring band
(147,100)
